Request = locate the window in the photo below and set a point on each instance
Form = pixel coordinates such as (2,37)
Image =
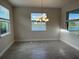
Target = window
(38,26)
(4,20)
(73,21)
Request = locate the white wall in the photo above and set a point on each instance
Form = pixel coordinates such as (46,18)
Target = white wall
(22,23)
(5,41)
(71,38)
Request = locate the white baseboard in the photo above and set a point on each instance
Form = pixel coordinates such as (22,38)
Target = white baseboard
(6,49)
(77,48)
(31,40)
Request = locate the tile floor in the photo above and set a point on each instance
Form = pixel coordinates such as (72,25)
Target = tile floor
(41,50)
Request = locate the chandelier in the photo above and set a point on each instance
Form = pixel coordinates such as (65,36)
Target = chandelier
(43,17)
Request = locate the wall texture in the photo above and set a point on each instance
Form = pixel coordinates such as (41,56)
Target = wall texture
(72,38)
(5,41)
(22,23)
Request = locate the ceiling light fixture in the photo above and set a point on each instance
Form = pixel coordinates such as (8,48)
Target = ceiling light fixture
(43,17)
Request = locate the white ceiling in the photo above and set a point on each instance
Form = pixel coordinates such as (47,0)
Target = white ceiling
(37,3)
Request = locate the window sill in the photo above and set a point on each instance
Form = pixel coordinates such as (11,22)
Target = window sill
(5,34)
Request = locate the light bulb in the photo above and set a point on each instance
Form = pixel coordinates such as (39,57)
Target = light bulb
(46,20)
(37,19)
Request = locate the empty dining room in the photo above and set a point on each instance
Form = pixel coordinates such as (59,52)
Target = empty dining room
(39,29)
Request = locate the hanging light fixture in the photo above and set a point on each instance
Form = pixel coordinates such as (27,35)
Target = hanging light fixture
(43,17)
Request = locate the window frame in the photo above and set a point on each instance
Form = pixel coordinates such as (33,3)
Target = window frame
(32,21)
(67,16)
(6,21)
(67,20)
